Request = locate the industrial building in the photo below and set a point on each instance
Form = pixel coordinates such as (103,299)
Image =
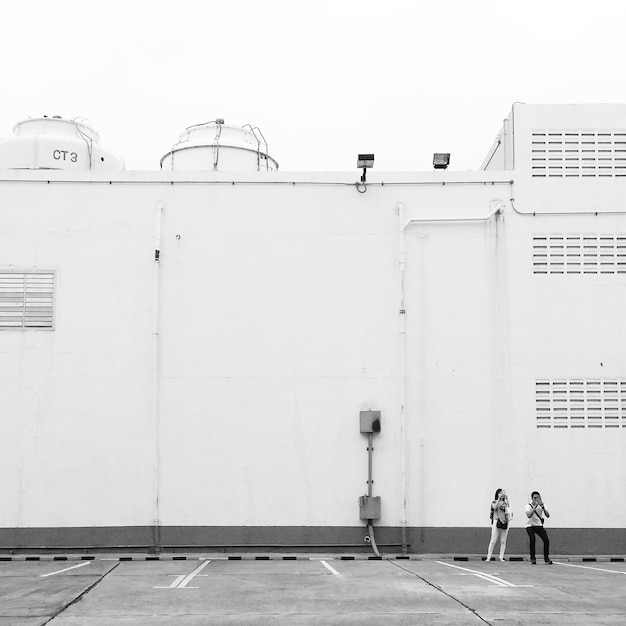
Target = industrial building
(223,355)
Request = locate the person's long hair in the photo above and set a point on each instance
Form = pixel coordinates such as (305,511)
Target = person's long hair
(497,494)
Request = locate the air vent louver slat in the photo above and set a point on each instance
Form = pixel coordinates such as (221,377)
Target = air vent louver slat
(579,254)
(562,154)
(26,300)
(580,403)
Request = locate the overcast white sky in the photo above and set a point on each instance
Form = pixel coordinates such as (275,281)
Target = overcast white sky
(324,80)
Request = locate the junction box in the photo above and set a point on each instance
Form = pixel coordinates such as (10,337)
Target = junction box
(369,507)
(370,421)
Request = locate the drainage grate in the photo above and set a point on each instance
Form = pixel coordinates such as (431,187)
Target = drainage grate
(578,153)
(580,403)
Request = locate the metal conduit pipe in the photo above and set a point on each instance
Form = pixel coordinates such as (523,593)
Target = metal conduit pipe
(370,529)
(548,213)
(370,482)
(311,183)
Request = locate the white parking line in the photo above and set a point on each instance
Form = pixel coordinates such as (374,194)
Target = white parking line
(64,570)
(489,577)
(598,569)
(188,578)
(181,581)
(175,582)
(329,568)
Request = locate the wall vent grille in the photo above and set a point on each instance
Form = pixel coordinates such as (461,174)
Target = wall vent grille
(578,154)
(26,299)
(579,254)
(580,403)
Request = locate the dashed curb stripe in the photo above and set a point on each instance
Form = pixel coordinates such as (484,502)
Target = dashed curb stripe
(47,558)
(212,557)
(291,557)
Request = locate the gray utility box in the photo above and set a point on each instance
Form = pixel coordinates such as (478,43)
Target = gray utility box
(369,507)
(370,421)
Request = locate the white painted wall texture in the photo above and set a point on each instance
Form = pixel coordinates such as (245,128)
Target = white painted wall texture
(277,320)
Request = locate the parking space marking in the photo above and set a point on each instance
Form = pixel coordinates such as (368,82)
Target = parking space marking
(64,570)
(181,581)
(489,577)
(598,569)
(175,582)
(329,568)
(188,578)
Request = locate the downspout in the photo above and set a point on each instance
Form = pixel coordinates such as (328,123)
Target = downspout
(156,371)
(402,374)
(505,136)
(497,206)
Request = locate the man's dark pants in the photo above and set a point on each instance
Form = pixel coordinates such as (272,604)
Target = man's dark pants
(541,531)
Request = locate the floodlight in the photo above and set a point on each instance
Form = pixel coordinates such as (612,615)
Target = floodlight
(441,160)
(364,161)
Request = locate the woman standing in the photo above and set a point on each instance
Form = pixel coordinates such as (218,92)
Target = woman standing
(500,517)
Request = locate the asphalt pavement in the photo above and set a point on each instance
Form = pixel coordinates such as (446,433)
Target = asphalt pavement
(308,589)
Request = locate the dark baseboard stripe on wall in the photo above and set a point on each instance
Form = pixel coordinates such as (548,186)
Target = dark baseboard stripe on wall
(290,539)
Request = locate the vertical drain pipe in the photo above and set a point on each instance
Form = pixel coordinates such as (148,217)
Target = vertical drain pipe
(496,207)
(402,376)
(156,374)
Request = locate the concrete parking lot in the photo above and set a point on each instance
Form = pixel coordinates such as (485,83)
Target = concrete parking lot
(320,589)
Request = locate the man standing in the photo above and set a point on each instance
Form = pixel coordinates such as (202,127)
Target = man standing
(535,512)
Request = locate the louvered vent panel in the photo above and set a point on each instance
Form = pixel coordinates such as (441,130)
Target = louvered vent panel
(579,254)
(26,300)
(578,154)
(580,403)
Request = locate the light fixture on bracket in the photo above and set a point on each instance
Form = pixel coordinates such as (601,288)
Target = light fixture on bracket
(441,160)
(365,161)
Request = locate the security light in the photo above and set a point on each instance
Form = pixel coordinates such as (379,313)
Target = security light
(364,161)
(441,160)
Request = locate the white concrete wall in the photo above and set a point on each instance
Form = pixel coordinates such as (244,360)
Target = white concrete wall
(77,441)
(568,327)
(278,321)
(278,326)
(544,195)
(482,329)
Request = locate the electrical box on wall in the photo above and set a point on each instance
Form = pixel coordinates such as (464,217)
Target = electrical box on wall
(369,507)
(370,421)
